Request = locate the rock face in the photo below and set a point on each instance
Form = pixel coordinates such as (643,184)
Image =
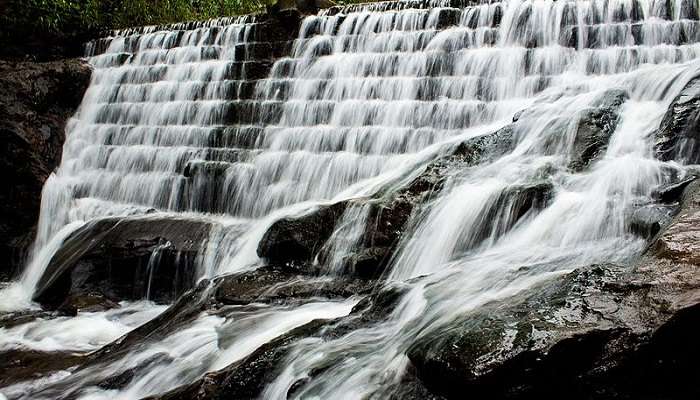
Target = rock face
(594,129)
(678,135)
(128,258)
(36,100)
(680,242)
(605,331)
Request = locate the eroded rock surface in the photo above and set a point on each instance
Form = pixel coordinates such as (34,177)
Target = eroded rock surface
(678,135)
(36,101)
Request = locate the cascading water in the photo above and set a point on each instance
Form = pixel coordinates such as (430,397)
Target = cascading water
(171,125)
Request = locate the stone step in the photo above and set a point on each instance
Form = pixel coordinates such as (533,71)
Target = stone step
(198,71)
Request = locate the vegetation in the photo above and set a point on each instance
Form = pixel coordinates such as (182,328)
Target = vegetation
(65,17)
(48,29)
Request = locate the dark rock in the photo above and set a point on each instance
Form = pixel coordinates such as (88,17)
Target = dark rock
(579,338)
(447,17)
(679,132)
(247,378)
(368,263)
(280,285)
(511,205)
(15,318)
(120,381)
(672,192)
(594,129)
(91,302)
(601,332)
(304,6)
(20,365)
(390,215)
(299,239)
(648,220)
(36,100)
(187,308)
(124,259)
(518,115)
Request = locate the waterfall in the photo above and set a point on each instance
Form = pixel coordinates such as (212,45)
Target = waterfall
(190,121)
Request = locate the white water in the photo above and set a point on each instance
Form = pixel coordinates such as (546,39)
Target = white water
(85,332)
(366,97)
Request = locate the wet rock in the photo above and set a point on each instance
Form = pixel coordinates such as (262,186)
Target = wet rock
(127,258)
(36,101)
(510,344)
(247,378)
(280,285)
(594,129)
(9,320)
(369,263)
(90,302)
(185,310)
(678,135)
(600,332)
(390,215)
(511,205)
(299,239)
(575,338)
(680,242)
(178,316)
(447,17)
(123,379)
(648,220)
(673,192)
(20,365)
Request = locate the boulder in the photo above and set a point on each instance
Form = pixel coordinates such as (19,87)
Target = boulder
(86,302)
(594,129)
(36,101)
(24,364)
(672,192)
(600,332)
(679,132)
(124,259)
(299,239)
(647,221)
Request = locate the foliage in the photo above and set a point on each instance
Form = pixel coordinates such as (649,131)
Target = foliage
(84,17)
